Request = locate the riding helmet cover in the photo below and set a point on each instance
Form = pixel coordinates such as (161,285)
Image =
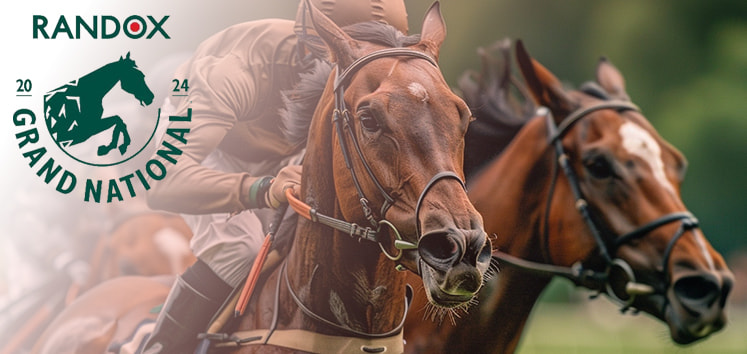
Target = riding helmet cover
(348,12)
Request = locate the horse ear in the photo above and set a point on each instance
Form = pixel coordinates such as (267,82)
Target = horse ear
(128,55)
(611,80)
(434,30)
(546,89)
(342,46)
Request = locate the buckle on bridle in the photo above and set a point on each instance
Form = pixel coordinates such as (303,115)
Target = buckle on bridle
(399,243)
(632,287)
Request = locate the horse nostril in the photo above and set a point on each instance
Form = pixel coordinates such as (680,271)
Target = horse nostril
(479,249)
(697,292)
(439,250)
(728,283)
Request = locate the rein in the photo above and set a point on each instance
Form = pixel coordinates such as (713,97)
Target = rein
(342,120)
(591,278)
(361,341)
(348,330)
(309,341)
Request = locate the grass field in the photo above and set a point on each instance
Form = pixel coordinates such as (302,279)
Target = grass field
(596,326)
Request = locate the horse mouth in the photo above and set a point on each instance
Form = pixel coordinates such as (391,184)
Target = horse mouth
(453,265)
(440,293)
(685,329)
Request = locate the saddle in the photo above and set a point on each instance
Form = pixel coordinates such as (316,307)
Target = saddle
(283,227)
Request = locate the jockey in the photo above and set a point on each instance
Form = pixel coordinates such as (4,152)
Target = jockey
(236,160)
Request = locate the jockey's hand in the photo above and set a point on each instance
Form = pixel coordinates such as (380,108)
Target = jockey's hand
(288,177)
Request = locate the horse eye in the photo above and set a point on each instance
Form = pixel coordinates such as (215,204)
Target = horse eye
(369,123)
(600,168)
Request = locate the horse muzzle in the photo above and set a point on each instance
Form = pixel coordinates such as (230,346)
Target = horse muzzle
(696,304)
(453,264)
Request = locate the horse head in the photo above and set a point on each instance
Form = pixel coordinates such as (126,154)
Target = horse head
(617,198)
(397,156)
(133,80)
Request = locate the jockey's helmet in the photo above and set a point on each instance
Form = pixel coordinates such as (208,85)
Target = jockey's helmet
(348,12)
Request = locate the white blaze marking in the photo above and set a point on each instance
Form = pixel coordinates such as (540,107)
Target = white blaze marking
(418,91)
(639,142)
(700,240)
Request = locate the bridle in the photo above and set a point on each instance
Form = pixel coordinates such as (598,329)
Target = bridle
(343,124)
(591,278)
(366,342)
(363,342)
(342,120)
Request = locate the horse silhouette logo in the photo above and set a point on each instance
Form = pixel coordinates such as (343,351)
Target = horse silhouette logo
(74,112)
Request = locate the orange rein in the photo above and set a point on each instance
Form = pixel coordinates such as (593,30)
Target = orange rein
(257,267)
(351,229)
(298,206)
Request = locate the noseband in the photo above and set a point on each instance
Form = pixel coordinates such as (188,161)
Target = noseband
(578,274)
(343,124)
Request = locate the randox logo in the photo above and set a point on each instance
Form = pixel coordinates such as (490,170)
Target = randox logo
(104,27)
(75,120)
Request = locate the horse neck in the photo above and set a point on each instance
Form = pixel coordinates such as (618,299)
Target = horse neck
(345,281)
(342,279)
(99,82)
(511,194)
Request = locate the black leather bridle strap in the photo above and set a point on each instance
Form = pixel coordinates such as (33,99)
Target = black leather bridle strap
(343,78)
(685,216)
(342,121)
(559,131)
(578,274)
(555,135)
(436,178)
(688,223)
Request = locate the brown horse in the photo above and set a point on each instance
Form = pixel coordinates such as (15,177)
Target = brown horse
(587,190)
(146,243)
(382,175)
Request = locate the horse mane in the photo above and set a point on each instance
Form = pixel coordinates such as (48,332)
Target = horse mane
(301,100)
(499,102)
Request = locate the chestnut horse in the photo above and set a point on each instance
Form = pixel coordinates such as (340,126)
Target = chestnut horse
(382,178)
(146,243)
(587,190)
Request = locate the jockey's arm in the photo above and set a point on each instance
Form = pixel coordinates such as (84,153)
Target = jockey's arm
(191,188)
(218,97)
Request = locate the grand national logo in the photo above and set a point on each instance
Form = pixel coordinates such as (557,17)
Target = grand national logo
(73,112)
(79,121)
